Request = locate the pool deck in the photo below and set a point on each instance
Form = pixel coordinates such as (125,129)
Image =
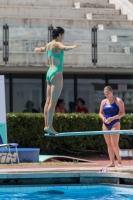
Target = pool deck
(47,173)
(67,166)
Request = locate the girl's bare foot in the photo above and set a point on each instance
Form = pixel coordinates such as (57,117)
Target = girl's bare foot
(50,130)
(120,165)
(111,165)
(45,128)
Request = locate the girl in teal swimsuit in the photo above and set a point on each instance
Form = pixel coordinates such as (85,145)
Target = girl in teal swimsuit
(55,52)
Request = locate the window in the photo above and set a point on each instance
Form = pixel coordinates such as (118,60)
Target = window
(90,88)
(68,90)
(27,93)
(7,94)
(123,88)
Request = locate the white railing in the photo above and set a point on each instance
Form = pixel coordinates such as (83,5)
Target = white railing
(125,6)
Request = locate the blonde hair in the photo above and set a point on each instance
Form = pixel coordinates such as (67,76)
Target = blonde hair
(108,88)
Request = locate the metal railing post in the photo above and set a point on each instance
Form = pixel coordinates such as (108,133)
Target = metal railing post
(5,43)
(50,29)
(94,45)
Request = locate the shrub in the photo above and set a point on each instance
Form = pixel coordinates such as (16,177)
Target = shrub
(27,130)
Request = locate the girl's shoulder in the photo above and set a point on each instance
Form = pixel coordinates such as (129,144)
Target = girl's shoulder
(103,101)
(118,100)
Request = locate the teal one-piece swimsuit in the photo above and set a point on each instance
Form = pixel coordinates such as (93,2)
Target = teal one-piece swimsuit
(56,69)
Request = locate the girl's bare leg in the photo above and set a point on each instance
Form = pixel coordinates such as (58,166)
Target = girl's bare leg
(46,105)
(55,90)
(115,141)
(110,147)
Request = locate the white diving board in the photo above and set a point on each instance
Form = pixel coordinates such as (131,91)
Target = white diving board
(88,133)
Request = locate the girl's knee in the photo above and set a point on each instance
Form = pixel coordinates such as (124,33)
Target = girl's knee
(53,103)
(108,141)
(109,144)
(115,145)
(47,103)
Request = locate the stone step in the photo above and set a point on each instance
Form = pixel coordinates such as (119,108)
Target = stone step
(103,46)
(66,23)
(108,16)
(60,3)
(122,35)
(97,5)
(17,11)
(22,33)
(74,59)
(92,1)
(115,59)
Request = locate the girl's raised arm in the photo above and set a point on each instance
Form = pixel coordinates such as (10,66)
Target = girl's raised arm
(66,48)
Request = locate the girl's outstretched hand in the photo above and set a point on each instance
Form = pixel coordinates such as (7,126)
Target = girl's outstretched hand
(36,49)
(77,45)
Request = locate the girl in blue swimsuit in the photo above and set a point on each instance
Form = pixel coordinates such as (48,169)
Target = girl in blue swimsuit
(55,53)
(111,110)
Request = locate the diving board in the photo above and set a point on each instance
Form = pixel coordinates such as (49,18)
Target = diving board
(88,133)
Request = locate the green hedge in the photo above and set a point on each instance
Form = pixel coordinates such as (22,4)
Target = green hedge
(27,131)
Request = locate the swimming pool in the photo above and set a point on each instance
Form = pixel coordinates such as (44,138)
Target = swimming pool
(87,192)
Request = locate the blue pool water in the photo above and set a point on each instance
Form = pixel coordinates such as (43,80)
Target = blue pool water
(90,192)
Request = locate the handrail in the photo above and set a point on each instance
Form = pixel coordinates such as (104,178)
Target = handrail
(125,6)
